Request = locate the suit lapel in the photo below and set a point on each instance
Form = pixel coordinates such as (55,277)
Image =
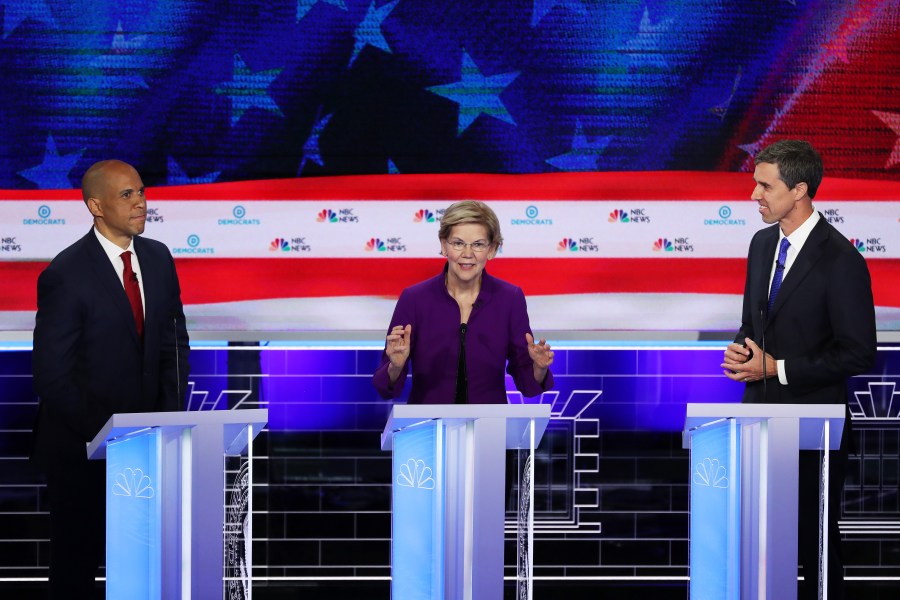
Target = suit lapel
(150,280)
(764,268)
(808,256)
(109,281)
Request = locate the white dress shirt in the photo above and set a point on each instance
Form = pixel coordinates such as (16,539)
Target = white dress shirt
(113,252)
(796,239)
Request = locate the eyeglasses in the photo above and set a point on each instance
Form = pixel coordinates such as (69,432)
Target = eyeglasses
(459,246)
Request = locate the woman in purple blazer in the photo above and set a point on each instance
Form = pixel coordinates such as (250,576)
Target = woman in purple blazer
(462,328)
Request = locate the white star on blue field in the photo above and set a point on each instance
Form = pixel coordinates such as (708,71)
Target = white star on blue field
(646,47)
(248,89)
(311,147)
(476,94)
(16,11)
(177,176)
(304,6)
(124,60)
(584,155)
(542,7)
(369,31)
(53,173)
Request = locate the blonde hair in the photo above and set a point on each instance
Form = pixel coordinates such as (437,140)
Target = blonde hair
(474,212)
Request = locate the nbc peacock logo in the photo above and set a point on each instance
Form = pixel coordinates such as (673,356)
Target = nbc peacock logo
(663,245)
(619,216)
(327,216)
(279,244)
(858,244)
(423,216)
(567,244)
(375,245)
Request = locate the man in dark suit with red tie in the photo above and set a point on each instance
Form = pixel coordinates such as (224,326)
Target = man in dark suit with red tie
(109,337)
(808,302)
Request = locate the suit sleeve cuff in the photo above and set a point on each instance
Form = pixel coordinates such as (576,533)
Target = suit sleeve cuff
(782,374)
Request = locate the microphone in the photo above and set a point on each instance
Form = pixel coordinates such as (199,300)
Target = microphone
(762,333)
(462,376)
(178,397)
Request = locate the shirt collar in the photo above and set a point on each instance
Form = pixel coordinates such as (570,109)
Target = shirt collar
(113,251)
(799,235)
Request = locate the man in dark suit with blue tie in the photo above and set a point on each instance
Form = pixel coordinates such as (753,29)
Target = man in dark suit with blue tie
(808,302)
(109,337)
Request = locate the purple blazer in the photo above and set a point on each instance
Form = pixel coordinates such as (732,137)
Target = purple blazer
(495,340)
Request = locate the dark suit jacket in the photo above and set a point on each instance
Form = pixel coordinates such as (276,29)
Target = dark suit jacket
(88,361)
(823,321)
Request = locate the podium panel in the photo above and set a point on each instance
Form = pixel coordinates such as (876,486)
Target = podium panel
(165,491)
(448,486)
(744,490)
(134,517)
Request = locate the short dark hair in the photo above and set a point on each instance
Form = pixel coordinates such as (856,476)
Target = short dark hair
(797,162)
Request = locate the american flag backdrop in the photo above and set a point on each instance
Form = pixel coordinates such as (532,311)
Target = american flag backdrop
(239,114)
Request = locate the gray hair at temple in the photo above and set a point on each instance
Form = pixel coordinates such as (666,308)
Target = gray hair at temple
(797,161)
(471,211)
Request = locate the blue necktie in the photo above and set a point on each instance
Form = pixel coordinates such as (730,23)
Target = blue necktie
(779,271)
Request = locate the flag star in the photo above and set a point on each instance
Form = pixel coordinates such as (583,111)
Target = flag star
(369,30)
(752,149)
(16,11)
(892,120)
(53,173)
(311,147)
(124,59)
(248,89)
(177,176)
(721,109)
(542,7)
(645,46)
(304,6)
(476,94)
(584,155)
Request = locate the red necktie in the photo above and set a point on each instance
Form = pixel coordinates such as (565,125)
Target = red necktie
(133,291)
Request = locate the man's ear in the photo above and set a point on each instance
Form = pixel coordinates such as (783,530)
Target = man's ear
(800,190)
(93,205)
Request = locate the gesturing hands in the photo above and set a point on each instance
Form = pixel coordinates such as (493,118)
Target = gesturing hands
(541,357)
(397,349)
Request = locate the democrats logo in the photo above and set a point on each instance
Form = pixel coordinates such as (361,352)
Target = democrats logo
(532,217)
(343,215)
(869,245)
(391,244)
(9,245)
(833,215)
(44,217)
(424,216)
(680,244)
(724,217)
(294,244)
(193,246)
(634,215)
(239,217)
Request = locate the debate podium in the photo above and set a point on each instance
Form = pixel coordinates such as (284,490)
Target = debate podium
(448,484)
(165,503)
(744,489)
